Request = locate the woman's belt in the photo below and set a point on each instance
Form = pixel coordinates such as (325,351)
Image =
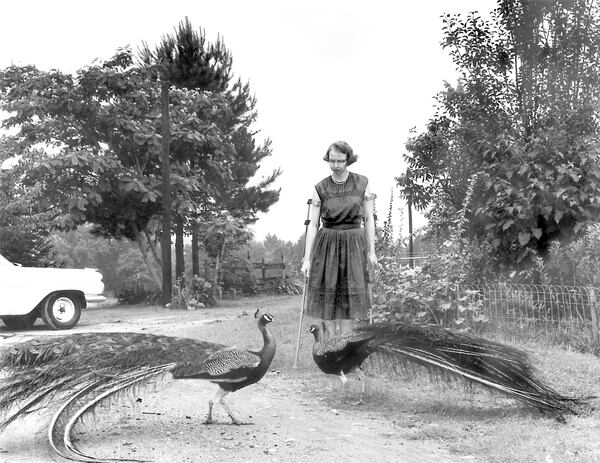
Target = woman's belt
(341,226)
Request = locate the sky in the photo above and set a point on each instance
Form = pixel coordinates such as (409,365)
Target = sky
(365,72)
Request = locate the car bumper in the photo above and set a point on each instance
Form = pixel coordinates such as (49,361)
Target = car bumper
(94,298)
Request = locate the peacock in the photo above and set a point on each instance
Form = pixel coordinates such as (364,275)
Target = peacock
(342,354)
(493,365)
(75,373)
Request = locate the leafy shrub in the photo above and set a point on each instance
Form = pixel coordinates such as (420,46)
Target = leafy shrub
(417,296)
(134,293)
(192,294)
(577,263)
(28,248)
(288,286)
(238,274)
(135,284)
(201,291)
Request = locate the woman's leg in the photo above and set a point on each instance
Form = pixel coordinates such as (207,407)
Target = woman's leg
(346,326)
(330,328)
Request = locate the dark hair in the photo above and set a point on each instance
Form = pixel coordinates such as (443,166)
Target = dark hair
(344,148)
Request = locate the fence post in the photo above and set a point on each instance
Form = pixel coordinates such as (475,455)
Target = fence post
(594,315)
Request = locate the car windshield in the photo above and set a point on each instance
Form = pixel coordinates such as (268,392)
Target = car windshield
(4,262)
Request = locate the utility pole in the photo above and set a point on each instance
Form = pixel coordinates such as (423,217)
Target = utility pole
(410,234)
(167,285)
(403,181)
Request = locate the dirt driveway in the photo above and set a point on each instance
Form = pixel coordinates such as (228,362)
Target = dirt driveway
(165,424)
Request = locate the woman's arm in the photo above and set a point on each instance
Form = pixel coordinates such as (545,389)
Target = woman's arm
(313,226)
(370,225)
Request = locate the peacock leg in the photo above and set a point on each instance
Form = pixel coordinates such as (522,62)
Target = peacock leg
(220,397)
(361,378)
(209,419)
(217,398)
(345,383)
(234,418)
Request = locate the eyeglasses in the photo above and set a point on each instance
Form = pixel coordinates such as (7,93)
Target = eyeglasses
(336,162)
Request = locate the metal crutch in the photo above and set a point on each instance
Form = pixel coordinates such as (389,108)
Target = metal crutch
(304,292)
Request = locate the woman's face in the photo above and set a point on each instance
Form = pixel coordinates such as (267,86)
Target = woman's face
(337,161)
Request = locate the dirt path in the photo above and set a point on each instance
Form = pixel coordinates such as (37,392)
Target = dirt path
(165,424)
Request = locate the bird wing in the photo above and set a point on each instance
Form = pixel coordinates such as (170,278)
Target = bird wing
(339,346)
(226,365)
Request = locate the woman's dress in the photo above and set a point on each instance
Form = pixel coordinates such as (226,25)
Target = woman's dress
(337,282)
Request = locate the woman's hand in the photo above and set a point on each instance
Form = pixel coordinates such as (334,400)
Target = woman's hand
(305,267)
(372,258)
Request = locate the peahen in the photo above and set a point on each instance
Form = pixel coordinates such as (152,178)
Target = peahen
(493,365)
(75,373)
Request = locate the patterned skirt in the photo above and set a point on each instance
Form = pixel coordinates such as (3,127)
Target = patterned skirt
(337,282)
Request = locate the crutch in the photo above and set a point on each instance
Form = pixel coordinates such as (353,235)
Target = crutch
(370,294)
(304,291)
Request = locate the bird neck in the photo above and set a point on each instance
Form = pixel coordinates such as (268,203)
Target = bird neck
(268,350)
(318,336)
(317,346)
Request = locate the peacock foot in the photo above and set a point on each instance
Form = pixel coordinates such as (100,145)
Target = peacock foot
(239,422)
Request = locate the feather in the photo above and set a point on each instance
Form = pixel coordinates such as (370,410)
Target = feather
(54,435)
(490,364)
(494,365)
(226,362)
(78,372)
(24,409)
(77,406)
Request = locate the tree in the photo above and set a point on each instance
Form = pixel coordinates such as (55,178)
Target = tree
(23,225)
(519,130)
(101,133)
(221,237)
(190,62)
(185,61)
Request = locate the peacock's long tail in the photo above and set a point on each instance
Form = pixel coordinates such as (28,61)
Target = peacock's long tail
(78,372)
(493,365)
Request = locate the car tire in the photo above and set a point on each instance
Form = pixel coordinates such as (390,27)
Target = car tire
(61,311)
(20,322)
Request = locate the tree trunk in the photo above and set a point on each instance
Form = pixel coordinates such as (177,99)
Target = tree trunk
(179,256)
(151,269)
(152,246)
(195,250)
(218,265)
(167,283)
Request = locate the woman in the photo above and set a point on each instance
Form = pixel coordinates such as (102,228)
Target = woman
(336,255)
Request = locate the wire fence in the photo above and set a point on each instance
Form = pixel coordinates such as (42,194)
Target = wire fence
(559,313)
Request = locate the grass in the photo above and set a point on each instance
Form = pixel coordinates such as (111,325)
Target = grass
(469,421)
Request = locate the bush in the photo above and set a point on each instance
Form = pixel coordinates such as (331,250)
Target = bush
(135,284)
(238,274)
(288,286)
(416,295)
(30,249)
(135,293)
(577,263)
(201,291)
(198,293)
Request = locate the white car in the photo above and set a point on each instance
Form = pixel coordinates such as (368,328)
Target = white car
(56,295)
